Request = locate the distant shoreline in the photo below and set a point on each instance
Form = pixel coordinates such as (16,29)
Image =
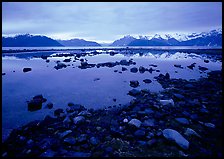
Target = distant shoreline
(187,50)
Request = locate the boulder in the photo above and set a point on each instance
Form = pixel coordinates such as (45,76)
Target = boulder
(94,141)
(124,69)
(142,69)
(49,105)
(175,136)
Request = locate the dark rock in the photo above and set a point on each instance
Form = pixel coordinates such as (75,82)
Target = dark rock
(147,80)
(96,79)
(134,92)
(47,61)
(70,140)
(58,111)
(115,70)
(26,69)
(65,133)
(48,153)
(60,66)
(124,62)
(151,142)
(139,133)
(82,138)
(44,57)
(202,68)
(142,69)
(191,66)
(206,61)
(134,84)
(49,105)
(153,65)
(124,69)
(67,60)
(167,76)
(3,74)
(94,141)
(178,66)
(78,154)
(36,103)
(134,70)
(70,104)
(178,96)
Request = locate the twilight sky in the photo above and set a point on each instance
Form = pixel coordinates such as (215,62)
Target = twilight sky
(108,21)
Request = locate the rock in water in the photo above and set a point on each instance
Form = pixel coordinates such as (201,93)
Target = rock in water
(147,80)
(26,69)
(173,135)
(134,70)
(137,123)
(134,84)
(134,92)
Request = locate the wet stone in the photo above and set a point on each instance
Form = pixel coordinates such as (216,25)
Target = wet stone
(26,69)
(134,69)
(139,133)
(147,80)
(134,92)
(135,122)
(134,84)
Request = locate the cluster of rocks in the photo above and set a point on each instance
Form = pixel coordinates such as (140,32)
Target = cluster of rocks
(182,121)
(85,65)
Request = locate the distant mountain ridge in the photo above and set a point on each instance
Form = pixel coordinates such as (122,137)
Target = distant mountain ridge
(78,42)
(212,38)
(28,40)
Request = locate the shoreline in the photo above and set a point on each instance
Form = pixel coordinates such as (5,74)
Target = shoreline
(192,108)
(212,51)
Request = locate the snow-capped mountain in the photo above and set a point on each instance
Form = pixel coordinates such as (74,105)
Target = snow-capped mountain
(211,38)
(27,40)
(123,41)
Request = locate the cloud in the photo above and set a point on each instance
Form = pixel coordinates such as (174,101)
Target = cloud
(106,20)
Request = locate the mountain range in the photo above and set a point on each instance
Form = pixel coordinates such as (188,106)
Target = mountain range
(211,38)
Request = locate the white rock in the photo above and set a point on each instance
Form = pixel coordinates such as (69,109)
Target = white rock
(166,102)
(125,120)
(173,135)
(135,122)
(190,132)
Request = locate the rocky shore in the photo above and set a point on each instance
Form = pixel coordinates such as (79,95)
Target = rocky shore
(185,120)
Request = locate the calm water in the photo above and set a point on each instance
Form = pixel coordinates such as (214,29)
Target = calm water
(76,85)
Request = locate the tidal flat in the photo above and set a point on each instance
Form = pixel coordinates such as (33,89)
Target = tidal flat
(112,103)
